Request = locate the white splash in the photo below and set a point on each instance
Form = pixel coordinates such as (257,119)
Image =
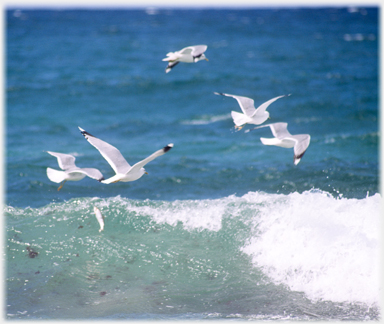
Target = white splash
(193,214)
(312,242)
(327,248)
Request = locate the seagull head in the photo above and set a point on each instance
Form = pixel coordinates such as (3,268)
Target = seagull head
(199,58)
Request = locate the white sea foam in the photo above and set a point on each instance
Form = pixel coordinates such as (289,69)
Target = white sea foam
(327,248)
(193,214)
(206,119)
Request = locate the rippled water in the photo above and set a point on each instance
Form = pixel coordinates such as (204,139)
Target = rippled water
(223,226)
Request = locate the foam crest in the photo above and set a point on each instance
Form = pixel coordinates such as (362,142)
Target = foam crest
(311,242)
(205,120)
(193,214)
(324,246)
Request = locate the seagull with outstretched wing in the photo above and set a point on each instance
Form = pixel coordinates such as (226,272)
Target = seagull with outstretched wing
(283,138)
(124,171)
(70,171)
(250,115)
(190,54)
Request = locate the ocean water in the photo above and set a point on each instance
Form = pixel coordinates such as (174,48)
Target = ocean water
(222,227)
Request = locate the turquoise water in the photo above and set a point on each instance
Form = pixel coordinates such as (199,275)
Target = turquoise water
(223,226)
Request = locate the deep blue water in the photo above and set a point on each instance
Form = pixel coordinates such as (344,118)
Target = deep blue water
(193,238)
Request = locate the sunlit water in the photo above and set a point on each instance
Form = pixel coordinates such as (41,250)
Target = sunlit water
(222,226)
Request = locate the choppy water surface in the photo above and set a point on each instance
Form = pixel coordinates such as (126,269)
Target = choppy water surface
(223,226)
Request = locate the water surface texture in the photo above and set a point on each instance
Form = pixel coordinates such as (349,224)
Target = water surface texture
(222,227)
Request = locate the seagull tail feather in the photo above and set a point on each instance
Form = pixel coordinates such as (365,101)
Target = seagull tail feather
(55,175)
(238,118)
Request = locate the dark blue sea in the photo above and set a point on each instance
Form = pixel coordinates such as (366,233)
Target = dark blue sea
(222,227)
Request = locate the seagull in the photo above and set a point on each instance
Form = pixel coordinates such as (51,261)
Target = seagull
(283,138)
(124,172)
(190,54)
(71,171)
(250,115)
(99,217)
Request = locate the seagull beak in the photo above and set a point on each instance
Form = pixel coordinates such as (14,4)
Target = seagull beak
(146,172)
(206,59)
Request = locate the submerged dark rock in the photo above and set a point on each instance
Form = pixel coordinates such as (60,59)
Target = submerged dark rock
(31,253)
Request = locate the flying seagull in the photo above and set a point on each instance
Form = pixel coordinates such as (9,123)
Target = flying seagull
(124,172)
(190,54)
(283,138)
(71,171)
(250,114)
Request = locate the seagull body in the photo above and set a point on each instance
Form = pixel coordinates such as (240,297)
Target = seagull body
(124,172)
(70,171)
(99,217)
(285,139)
(250,114)
(190,54)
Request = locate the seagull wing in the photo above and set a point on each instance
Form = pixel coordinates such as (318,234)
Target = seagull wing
(171,65)
(302,144)
(186,50)
(279,130)
(246,104)
(90,172)
(109,152)
(153,156)
(197,50)
(263,107)
(66,161)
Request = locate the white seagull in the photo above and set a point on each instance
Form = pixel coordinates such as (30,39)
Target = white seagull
(124,172)
(190,54)
(71,171)
(250,115)
(99,217)
(285,139)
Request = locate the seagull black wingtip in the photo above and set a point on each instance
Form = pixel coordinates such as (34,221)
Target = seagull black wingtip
(168,147)
(83,132)
(299,156)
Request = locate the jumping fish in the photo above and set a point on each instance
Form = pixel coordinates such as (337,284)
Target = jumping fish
(99,217)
